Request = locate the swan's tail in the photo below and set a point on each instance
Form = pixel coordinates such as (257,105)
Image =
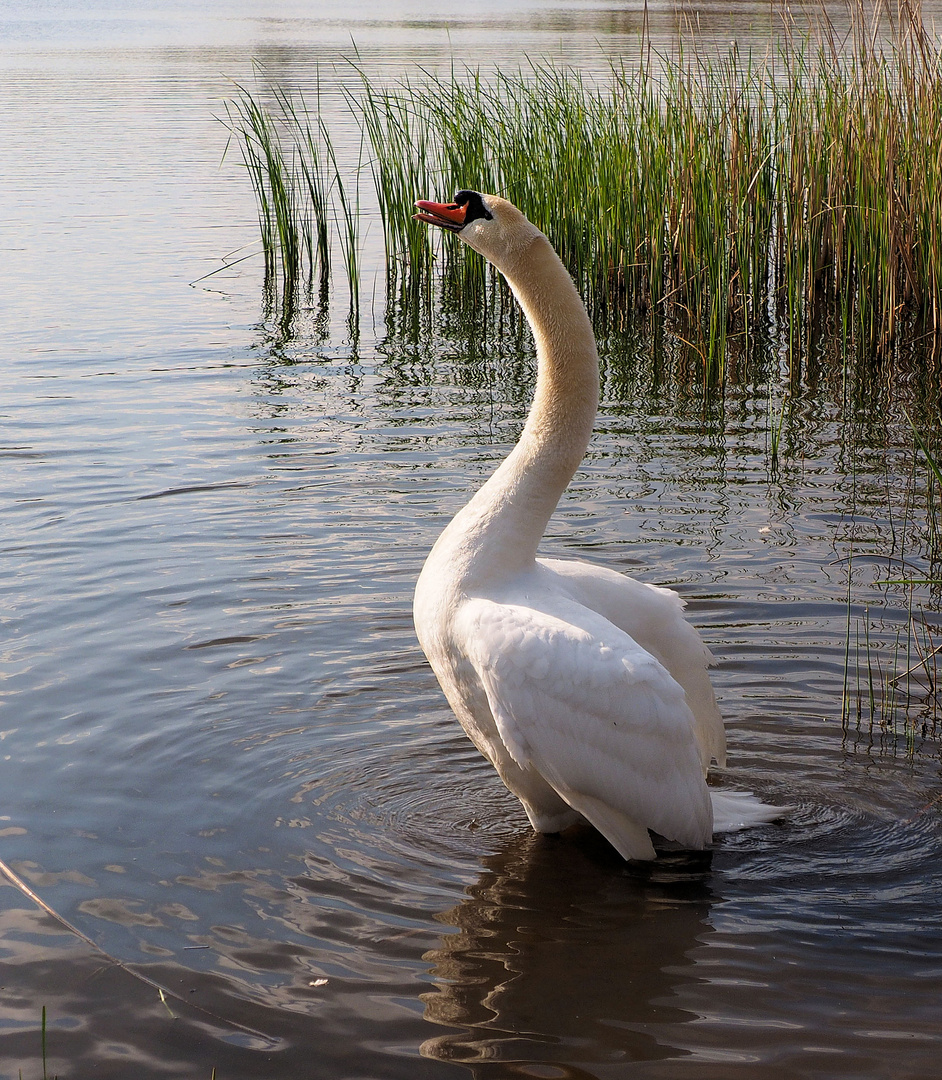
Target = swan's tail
(734,810)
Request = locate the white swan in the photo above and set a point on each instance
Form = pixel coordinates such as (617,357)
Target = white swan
(586,690)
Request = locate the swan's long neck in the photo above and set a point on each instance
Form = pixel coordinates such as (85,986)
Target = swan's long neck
(497,533)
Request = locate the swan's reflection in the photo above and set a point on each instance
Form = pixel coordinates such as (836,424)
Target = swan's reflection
(565,957)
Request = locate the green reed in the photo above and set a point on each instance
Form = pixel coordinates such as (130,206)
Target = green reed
(305,207)
(892,664)
(719,197)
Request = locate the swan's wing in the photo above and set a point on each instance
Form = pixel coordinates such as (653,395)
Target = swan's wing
(601,720)
(654,618)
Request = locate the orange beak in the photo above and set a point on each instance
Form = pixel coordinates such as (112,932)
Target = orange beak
(445,215)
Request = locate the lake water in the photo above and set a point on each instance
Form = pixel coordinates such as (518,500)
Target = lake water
(223,758)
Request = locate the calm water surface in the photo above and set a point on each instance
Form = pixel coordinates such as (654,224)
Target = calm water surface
(223,758)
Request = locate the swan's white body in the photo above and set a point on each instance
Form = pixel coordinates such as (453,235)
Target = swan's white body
(588,691)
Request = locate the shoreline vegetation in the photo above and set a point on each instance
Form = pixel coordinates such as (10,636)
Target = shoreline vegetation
(728,199)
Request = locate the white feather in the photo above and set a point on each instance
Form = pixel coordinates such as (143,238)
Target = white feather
(578,701)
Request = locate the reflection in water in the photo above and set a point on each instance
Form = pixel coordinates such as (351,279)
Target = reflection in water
(566,956)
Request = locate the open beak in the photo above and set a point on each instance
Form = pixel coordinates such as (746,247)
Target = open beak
(446,215)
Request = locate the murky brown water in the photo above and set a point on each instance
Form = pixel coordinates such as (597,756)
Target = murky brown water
(223,758)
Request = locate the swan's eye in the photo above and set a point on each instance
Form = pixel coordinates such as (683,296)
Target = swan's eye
(475,206)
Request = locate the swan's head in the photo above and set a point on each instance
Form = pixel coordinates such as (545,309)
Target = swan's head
(487,223)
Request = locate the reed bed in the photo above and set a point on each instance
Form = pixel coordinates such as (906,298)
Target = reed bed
(306,209)
(717,196)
